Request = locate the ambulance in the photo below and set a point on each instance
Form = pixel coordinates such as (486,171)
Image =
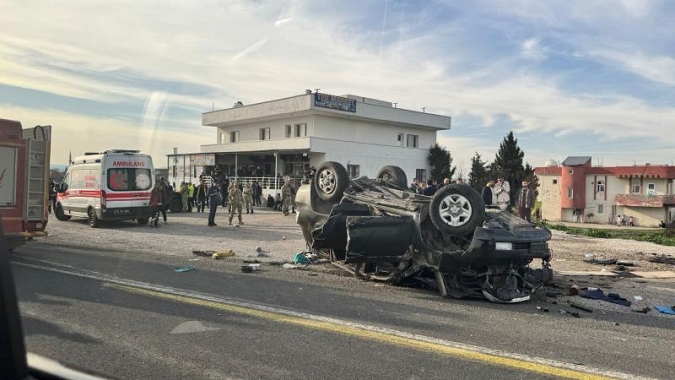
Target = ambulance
(113,185)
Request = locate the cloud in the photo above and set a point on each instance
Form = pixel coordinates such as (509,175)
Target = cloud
(77,134)
(531,49)
(466,62)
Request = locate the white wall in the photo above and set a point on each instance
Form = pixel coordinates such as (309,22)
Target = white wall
(370,158)
(251,132)
(364,131)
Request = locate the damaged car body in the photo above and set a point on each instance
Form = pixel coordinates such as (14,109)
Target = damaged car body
(381,231)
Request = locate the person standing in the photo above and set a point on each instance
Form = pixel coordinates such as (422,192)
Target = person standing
(224,189)
(236,201)
(201,192)
(488,193)
(247,194)
(502,192)
(214,194)
(525,200)
(191,196)
(52,195)
(630,221)
(156,203)
(256,194)
(167,197)
(183,191)
(285,197)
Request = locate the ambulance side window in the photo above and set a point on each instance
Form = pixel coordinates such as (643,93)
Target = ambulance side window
(129,179)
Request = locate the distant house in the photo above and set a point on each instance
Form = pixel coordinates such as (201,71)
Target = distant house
(285,137)
(644,192)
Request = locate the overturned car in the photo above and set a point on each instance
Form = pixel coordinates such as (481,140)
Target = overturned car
(383,232)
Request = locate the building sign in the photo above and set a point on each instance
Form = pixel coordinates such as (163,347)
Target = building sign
(334,102)
(203,159)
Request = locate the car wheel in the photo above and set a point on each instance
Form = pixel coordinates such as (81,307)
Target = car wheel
(457,210)
(60,214)
(143,221)
(394,175)
(94,222)
(330,181)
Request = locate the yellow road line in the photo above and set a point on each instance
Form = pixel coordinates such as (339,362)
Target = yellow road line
(375,336)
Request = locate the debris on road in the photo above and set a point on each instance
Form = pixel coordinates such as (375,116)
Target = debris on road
(545,310)
(203,253)
(300,259)
(638,298)
(665,309)
(184,269)
(221,254)
(643,310)
(574,290)
(663,259)
(289,266)
(250,268)
(598,294)
(626,263)
(584,308)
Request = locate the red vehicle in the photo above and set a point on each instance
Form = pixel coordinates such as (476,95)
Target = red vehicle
(24,180)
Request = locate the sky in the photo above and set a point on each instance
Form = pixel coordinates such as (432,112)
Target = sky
(569,78)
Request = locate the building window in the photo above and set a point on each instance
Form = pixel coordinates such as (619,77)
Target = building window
(353,170)
(400,139)
(555,181)
(289,131)
(600,186)
(570,193)
(635,189)
(412,141)
(264,133)
(234,136)
(651,189)
(300,130)
(601,209)
(421,174)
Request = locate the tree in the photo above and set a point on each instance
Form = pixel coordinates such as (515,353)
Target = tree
(479,174)
(440,161)
(508,163)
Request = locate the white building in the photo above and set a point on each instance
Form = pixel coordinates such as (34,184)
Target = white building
(284,137)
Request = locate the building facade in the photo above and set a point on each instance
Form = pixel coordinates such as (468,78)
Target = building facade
(285,137)
(599,194)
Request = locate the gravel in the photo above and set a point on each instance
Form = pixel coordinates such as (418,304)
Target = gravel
(277,236)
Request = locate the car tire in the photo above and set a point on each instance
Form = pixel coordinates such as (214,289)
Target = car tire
(60,214)
(395,175)
(93,220)
(456,210)
(143,221)
(330,181)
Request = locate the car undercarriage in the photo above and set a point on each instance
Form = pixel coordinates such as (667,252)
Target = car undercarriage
(380,231)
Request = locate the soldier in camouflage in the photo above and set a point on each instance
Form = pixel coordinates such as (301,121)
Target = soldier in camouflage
(286,197)
(235,199)
(248,198)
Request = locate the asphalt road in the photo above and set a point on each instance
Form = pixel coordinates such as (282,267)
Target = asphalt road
(131,316)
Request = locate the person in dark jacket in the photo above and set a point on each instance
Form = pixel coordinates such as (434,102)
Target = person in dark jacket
(201,192)
(214,194)
(167,195)
(431,189)
(487,193)
(156,203)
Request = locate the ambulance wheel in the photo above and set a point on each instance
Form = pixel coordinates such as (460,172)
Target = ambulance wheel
(60,214)
(143,221)
(94,222)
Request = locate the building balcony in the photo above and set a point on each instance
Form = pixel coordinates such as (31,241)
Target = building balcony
(255,146)
(640,200)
